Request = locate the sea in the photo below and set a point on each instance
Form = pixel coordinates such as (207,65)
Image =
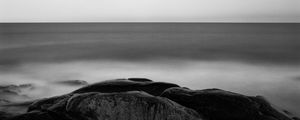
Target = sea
(248,58)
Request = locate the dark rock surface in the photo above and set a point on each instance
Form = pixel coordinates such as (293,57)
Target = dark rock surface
(117,85)
(46,103)
(132,105)
(216,104)
(126,106)
(40,115)
(143,99)
(123,85)
(140,79)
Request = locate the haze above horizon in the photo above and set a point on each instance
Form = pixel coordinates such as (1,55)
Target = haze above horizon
(274,11)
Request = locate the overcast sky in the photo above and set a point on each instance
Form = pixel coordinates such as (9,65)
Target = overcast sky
(150,10)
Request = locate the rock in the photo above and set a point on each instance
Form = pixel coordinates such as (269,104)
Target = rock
(40,115)
(215,104)
(46,103)
(132,105)
(296,118)
(140,79)
(143,99)
(118,85)
(37,115)
(268,110)
(126,106)
(123,85)
(72,82)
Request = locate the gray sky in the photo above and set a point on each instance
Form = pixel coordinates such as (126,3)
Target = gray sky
(150,10)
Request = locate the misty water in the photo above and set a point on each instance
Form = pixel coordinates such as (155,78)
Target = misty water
(252,59)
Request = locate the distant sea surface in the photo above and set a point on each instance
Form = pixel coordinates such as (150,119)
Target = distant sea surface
(248,58)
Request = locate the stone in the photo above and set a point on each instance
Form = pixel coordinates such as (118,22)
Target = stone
(123,85)
(126,106)
(216,104)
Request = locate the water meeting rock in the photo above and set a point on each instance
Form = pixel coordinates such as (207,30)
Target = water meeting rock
(133,105)
(216,104)
(131,84)
(144,99)
(109,86)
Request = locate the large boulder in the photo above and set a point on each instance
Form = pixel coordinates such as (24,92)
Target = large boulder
(126,106)
(131,84)
(109,86)
(41,115)
(143,99)
(216,104)
(132,105)
(46,103)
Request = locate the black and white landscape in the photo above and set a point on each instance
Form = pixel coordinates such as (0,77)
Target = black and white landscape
(149,60)
(44,60)
(144,99)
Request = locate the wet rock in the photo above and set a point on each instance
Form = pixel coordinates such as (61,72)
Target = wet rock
(132,105)
(123,85)
(143,99)
(118,85)
(296,118)
(40,115)
(126,106)
(267,109)
(140,79)
(216,104)
(46,103)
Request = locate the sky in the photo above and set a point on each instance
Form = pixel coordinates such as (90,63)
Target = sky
(149,11)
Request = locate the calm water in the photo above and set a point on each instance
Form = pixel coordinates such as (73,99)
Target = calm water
(253,59)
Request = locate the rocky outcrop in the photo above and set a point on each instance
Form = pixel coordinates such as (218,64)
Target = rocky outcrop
(126,106)
(143,99)
(123,85)
(132,105)
(40,115)
(45,104)
(216,104)
(117,85)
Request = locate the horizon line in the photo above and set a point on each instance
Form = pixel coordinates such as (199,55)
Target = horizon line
(158,22)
